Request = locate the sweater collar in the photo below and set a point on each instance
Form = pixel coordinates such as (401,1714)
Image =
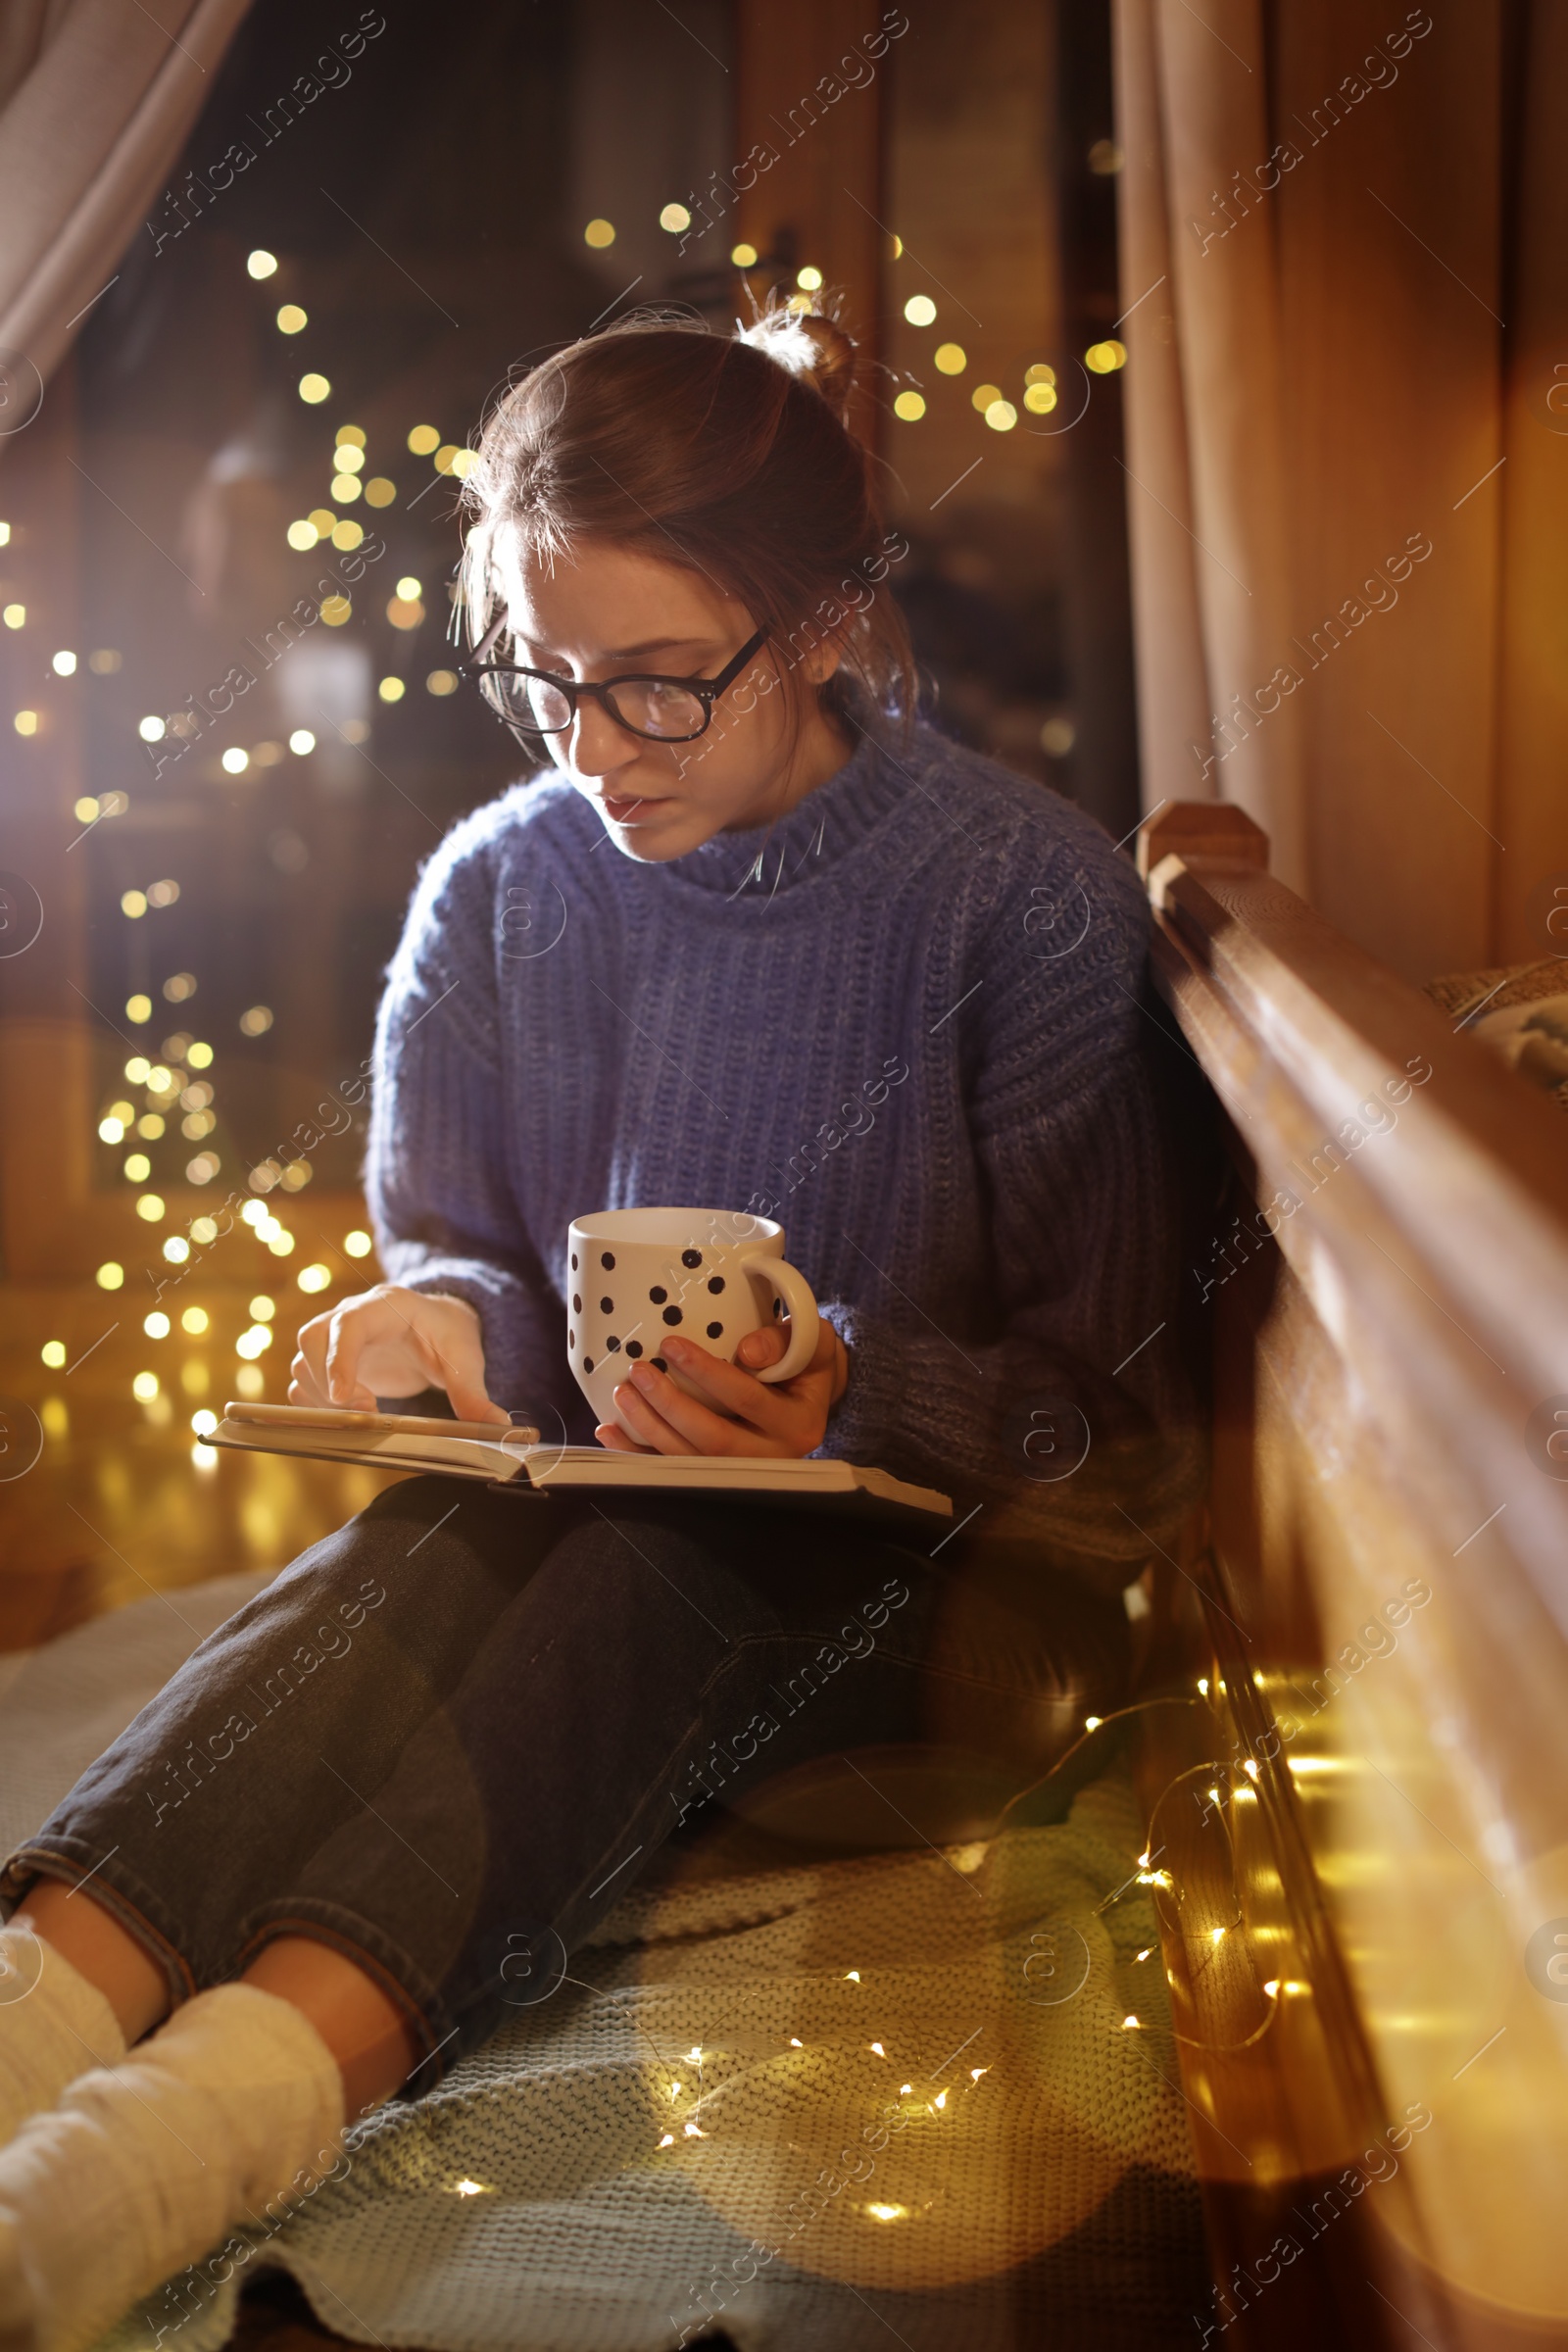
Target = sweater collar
(768,861)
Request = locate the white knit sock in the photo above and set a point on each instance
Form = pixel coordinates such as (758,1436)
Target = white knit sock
(54,2024)
(138,2171)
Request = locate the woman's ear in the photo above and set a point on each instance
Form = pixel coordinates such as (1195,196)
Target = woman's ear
(824,657)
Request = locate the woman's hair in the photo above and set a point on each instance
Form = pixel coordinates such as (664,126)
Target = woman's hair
(726,454)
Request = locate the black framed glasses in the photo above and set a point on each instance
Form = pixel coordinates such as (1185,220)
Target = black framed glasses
(536,702)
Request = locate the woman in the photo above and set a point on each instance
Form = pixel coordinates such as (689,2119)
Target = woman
(756,944)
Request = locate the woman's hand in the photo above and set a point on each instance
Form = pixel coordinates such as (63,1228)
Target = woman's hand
(393,1343)
(736,1412)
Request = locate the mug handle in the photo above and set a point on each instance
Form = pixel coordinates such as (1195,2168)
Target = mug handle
(800,1306)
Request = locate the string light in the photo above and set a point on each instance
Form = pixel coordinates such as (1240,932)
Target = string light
(675,218)
(260,263)
(598,234)
(909,406)
(108,1276)
(920,309)
(314,388)
(744,256)
(290,319)
(950,358)
(54,1354)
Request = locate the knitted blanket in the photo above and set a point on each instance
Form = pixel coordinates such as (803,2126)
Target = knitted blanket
(899,2098)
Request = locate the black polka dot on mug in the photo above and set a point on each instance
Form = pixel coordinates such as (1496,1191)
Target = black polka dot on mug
(716,1331)
(658,1294)
(607,1258)
(691,1258)
(673,1314)
(716,1283)
(606,1306)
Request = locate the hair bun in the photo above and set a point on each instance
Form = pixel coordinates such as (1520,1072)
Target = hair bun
(808,346)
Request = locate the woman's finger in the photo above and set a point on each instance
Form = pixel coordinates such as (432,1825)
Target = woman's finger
(649,1422)
(615,1440)
(777,1426)
(352,1328)
(309,1368)
(729,1386)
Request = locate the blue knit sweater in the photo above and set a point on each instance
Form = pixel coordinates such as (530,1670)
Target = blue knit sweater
(903,1021)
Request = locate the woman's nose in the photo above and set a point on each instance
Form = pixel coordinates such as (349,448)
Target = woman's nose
(598,747)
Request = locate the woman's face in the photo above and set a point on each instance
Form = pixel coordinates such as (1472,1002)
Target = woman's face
(606,610)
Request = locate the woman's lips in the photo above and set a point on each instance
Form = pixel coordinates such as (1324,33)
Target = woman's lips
(620,811)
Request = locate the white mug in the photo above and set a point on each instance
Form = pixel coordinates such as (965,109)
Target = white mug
(636,1275)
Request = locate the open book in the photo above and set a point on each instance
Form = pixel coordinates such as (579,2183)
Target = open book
(516,1457)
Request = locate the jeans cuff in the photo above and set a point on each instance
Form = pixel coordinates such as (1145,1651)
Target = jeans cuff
(382,1959)
(118,1889)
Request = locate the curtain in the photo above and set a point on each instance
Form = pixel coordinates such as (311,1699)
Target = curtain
(97,98)
(1343,266)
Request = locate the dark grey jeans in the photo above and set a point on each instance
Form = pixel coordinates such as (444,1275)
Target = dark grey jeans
(449,1736)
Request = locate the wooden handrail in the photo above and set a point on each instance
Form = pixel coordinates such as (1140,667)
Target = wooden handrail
(1389,1308)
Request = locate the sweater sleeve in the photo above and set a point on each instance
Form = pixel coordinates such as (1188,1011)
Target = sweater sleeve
(1067,1415)
(444,1214)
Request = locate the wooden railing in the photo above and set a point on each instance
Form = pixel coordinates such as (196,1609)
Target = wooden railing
(1388,1598)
